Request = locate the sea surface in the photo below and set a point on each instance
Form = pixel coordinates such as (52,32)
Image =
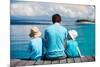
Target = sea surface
(19,38)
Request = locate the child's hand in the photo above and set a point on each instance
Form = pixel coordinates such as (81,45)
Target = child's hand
(82,56)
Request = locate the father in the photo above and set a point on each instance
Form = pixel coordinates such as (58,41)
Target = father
(55,36)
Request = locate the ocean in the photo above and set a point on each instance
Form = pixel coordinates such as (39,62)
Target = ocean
(19,38)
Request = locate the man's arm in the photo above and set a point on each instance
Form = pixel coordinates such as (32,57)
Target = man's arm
(65,40)
(45,37)
(30,47)
(65,43)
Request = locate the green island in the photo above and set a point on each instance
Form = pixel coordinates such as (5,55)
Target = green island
(85,20)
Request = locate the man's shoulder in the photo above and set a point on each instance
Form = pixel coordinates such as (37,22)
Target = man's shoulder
(53,26)
(49,27)
(63,27)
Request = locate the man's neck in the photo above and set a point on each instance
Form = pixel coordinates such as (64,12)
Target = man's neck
(57,23)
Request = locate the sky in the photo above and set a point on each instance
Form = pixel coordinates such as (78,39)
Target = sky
(42,10)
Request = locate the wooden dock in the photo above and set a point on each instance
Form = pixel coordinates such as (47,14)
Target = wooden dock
(18,62)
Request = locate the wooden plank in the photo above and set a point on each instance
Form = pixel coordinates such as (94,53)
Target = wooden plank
(29,63)
(47,62)
(40,62)
(63,61)
(90,59)
(70,60)
(84,59)
(93,57)
(55,61)
(77,60)
(14,62)
(21,63)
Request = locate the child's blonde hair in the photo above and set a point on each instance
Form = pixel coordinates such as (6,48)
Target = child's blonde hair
(73,34)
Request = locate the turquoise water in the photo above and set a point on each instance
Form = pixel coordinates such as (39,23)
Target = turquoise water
(20,39)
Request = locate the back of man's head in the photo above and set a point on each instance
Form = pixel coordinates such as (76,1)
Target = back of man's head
(56,18)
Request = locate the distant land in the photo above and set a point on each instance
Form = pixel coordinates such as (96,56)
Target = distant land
(85,20)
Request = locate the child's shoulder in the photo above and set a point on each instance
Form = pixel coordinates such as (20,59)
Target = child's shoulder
(38,38)
(72,41)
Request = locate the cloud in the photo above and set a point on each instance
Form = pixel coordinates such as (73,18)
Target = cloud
(47,9)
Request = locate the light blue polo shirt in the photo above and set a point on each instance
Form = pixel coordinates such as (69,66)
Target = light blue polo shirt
(35,48)
(55,35)
(71,50)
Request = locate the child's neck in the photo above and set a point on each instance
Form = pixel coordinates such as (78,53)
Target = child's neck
(71,39)
(35,37)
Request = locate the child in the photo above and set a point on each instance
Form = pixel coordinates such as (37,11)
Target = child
(35,45)
(72,49)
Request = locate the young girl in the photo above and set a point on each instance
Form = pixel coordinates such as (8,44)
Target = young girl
(35,45)
(72,49)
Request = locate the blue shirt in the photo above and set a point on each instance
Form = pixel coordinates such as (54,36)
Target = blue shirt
(71,49)
(35,48)
(55,35)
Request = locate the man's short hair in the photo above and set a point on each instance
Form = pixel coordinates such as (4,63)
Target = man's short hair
(56,18)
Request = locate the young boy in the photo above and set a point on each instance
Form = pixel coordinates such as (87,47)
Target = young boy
(72,49)
(35,45)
